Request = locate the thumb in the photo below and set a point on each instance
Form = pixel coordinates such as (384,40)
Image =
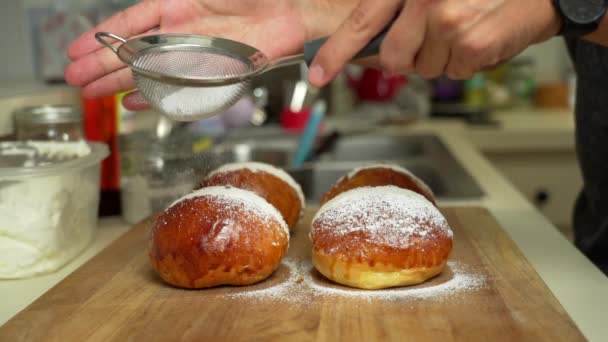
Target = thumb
(135,101)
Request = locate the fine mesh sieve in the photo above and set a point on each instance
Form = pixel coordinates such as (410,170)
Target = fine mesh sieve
(190,77)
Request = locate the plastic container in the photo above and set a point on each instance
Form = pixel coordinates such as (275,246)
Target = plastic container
(49,196)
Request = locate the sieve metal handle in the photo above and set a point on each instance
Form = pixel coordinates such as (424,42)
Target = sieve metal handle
(312,47)
(372,48)
(100,36)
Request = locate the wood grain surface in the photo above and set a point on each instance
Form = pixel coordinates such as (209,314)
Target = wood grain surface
(117,297)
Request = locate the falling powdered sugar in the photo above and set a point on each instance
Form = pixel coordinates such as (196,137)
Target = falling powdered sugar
(302,284)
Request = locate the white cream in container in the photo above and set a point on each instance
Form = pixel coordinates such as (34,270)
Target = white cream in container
(49,197)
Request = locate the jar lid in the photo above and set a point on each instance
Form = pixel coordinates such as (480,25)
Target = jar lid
(48,114)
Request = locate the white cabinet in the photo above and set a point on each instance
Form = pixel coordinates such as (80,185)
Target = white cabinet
(551,180)
(536,152)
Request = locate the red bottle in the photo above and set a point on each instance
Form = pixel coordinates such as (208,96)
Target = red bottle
(100,124)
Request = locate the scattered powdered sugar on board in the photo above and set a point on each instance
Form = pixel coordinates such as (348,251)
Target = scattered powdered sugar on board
(291,289)
(302,284)
(461,281)
(387,214)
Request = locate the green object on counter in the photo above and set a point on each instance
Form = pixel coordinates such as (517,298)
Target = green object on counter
(475,93)
(521,83)
(201,145)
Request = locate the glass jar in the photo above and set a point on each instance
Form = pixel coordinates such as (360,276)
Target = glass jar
(54,123)
(155,172)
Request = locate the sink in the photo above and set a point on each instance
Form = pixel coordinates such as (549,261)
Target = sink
(425,155)
(379,147)
(277,152)
(317,179)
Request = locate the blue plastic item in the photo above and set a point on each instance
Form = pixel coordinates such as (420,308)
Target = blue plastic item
(310,132)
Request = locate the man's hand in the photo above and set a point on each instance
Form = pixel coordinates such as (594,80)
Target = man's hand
(276,27)
(438,37)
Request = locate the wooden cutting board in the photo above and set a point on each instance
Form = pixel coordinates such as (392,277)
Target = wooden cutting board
(116,296)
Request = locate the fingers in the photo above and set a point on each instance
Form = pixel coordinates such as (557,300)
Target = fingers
(135,101)
(475,48)
(364,22)
(117,81)
(402,42)
(434,54)
(432,59)
(97,68)
(470,53)
(434,38)
(134,20)
(92,67)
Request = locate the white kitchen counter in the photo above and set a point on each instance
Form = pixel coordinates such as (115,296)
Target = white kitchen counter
(578,285)
(525,131)
(17,294)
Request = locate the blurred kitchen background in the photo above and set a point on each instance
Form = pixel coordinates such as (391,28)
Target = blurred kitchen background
(519,115)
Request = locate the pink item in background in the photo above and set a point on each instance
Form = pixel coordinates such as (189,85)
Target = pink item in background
(376,85)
